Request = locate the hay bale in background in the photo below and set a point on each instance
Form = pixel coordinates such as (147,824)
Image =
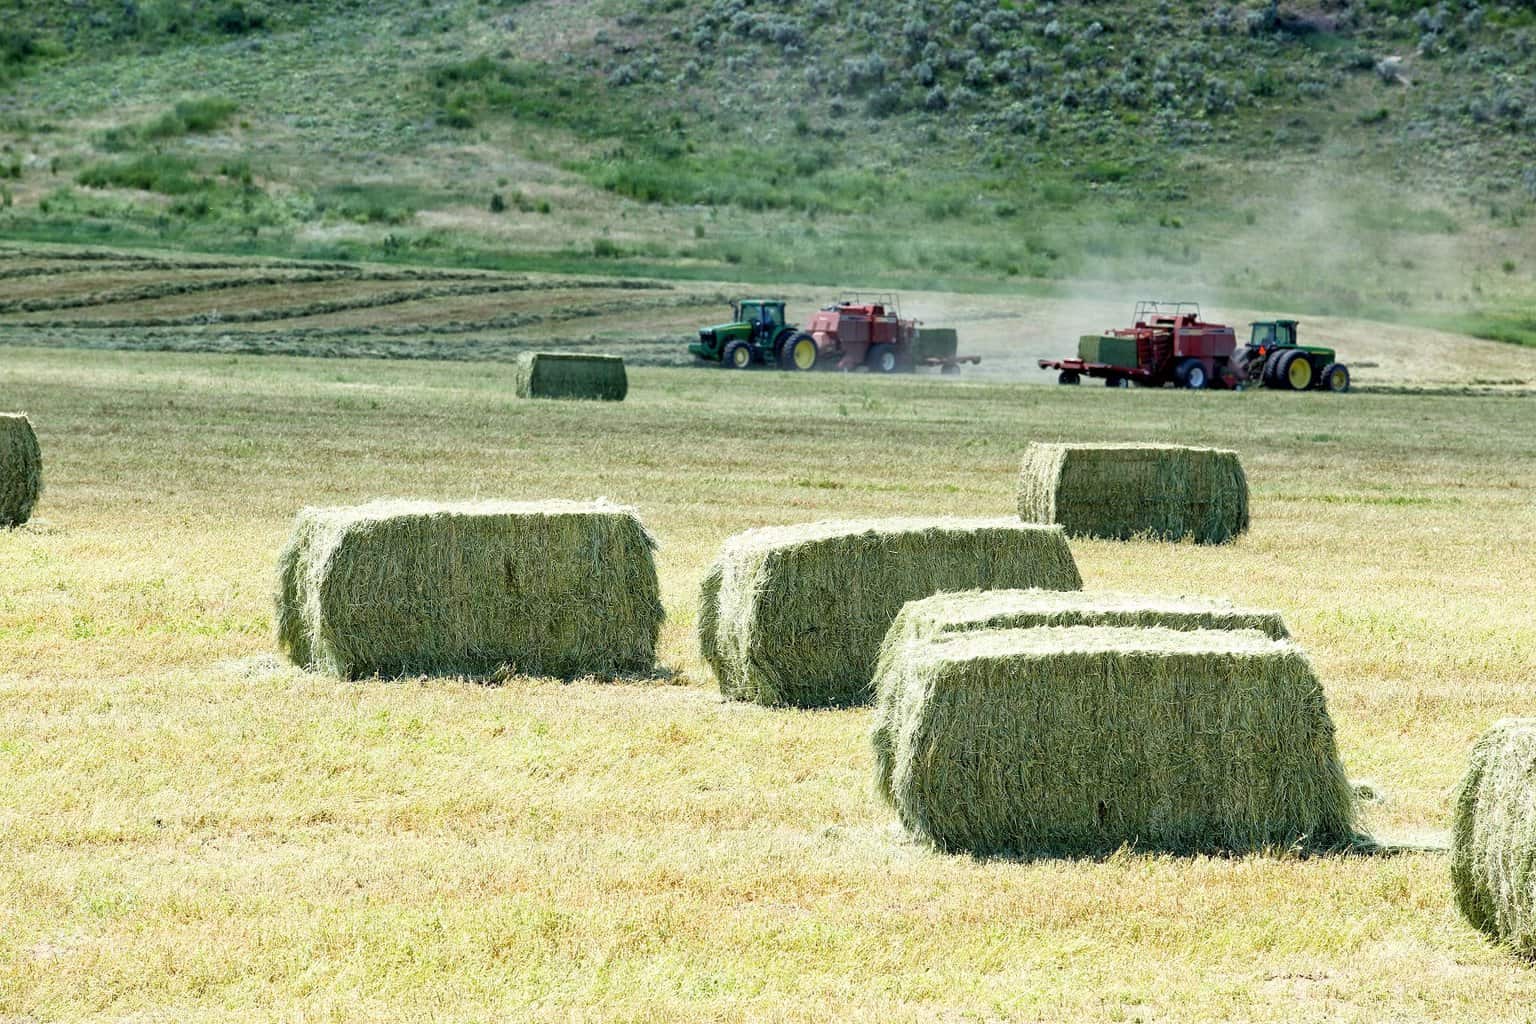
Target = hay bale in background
(1022,609)
(1120,491)
(795,614)
(568,375)
(935,343)
(1493,841)
(1078,740)
(402,588)
(21,469)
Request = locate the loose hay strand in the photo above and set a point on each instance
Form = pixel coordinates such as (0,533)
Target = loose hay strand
(571,375)
(795,615)
(21,469)
(1117,492)
(967,611)
(1493,838)
(1074,740)
(403,588)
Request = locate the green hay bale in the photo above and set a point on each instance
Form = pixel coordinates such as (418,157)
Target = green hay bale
(1107,348)
(973,610)
(794,615)
(21,469)
(1082,739)
(405,588)
(567,375)
(1121,491)
(935,343)
(1493,842)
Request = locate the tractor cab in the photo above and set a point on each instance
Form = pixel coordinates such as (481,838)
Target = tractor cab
(763,317)
(1273,334)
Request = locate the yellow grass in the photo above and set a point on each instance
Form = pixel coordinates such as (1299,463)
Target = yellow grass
(190,830)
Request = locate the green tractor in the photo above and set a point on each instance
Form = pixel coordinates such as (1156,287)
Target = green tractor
(756,335)
(1273,358)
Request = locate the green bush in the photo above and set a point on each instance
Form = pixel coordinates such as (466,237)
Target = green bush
(168,175)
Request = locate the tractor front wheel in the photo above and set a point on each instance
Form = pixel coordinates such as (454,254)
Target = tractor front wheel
(1191,374)
(1295,371)
(882,359)
(798,353)
(1068,377)
(1336,377)
(737,356)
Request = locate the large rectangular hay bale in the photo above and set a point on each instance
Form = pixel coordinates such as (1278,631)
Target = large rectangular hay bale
(21,469)
(1120,491)
(392,588)
(794,615)
(1493,840)
(972,610)
(935,343)
(1082,739)
(1107,348)
(571,375)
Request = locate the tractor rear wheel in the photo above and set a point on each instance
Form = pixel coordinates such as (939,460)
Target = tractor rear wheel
(737,356)
(1190,374)
(798,353)
(882,359)
(1295,371)
(1336,377)
(1068,377)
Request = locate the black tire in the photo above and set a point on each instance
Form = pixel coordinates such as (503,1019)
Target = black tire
(1270,376)
(882,358)
(736,356)
(1288,374)
(786,353)
(1117,382)
(1068,377)
(1331,378)
(1191,374)
(947,369)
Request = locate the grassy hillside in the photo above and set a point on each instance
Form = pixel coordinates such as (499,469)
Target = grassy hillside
(1265,152)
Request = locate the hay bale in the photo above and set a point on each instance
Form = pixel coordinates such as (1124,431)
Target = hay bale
(972,610)
(568,375)
(794,615)
(1081,739)
(1493,841)
(1120,491)
(402,588)
(21,469)
(935,343)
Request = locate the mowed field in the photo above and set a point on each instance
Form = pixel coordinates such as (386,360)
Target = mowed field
(190,829)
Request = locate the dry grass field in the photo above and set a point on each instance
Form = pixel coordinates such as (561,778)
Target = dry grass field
(192,830)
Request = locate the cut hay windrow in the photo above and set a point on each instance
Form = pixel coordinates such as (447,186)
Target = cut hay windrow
(570,375)
(21,469)
(1121,491)
(393,588)
(794,615)
(1023,609)
(1083,739)
(1493,841)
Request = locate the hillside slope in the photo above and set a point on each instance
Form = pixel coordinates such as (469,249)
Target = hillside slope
(1272,153)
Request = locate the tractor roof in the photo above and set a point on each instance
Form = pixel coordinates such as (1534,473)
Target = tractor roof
(1260,323)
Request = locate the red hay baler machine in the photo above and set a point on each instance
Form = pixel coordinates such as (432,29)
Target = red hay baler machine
(867,330)
(1169,344)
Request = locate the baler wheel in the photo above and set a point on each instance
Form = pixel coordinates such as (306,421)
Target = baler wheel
(1191,374)
(1068,377)
(1117,382)
(882,359)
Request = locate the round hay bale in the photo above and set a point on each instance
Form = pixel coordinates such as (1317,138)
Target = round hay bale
(1121,491)
(794,615)
(1493,840)
(1083,739)
(21,469)
(571,375)
(1023,609)
(392,588)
